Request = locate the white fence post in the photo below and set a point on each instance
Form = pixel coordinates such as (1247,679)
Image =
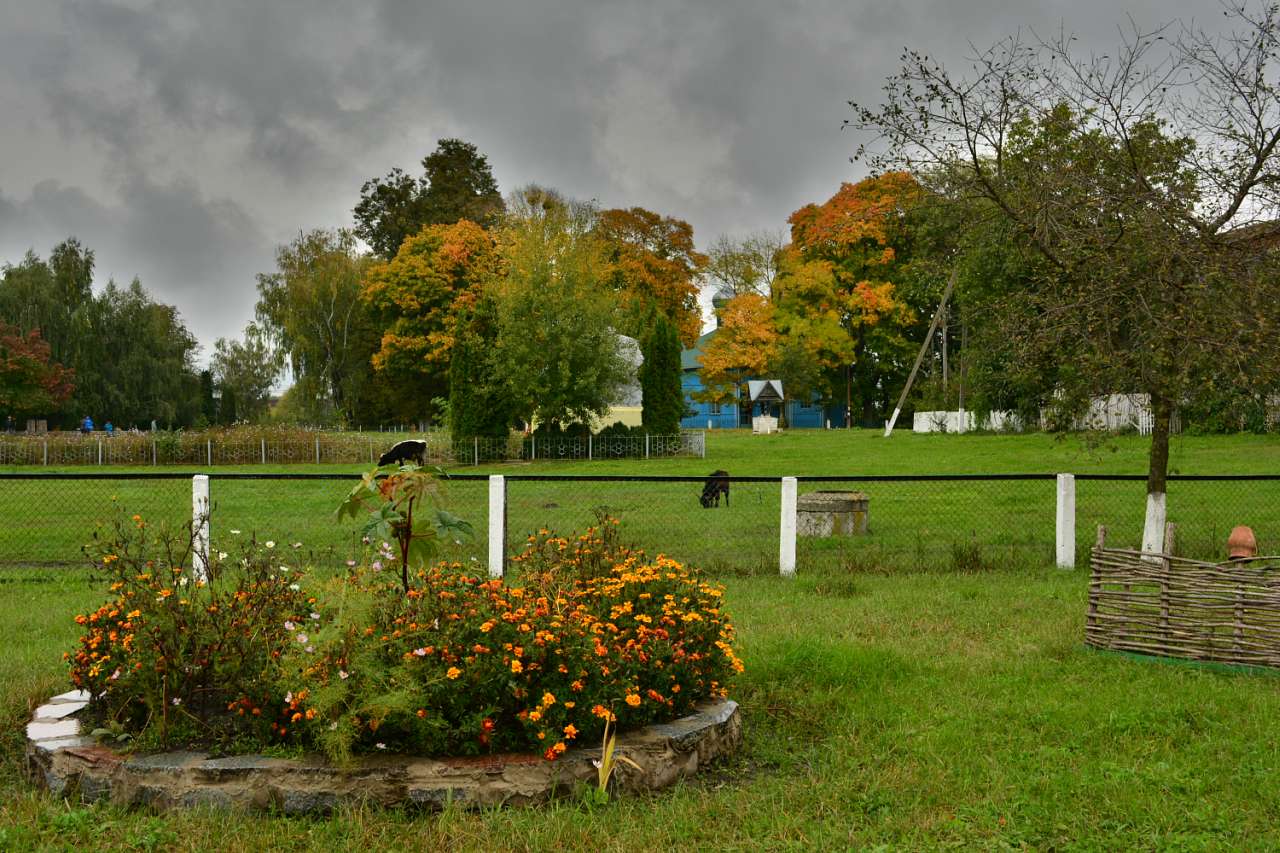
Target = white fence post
(589,447)
(154,456)
(208,451)
(317,449)
(46,451)
(476,459)
(497,525)
(1066,521)
(99,451)
(704,445)
(200,526)
(787,529)
(646,445)
(264,451)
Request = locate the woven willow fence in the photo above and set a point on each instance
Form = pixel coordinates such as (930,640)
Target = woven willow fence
(1176,607)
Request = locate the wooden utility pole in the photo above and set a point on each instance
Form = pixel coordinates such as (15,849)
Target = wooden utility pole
(924,347)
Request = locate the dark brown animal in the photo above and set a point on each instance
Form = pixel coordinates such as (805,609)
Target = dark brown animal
(713,487)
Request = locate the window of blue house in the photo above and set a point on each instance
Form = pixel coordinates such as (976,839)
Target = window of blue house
(715,408)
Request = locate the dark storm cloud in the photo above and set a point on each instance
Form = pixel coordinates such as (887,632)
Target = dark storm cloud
(182,140)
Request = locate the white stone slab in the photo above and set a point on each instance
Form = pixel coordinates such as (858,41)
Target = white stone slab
(59,728)
(71,696)
(58,711)
(57,743)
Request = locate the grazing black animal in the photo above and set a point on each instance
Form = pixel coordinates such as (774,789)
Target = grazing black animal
(404,451)
(716,484)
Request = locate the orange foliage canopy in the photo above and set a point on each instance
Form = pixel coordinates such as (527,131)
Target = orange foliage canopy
(653,262)
(837,279)
(744,346)
(860,218)
(419,294)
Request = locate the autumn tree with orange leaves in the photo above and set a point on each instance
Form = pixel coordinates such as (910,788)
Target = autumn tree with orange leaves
(744,347)
(653,265)
(417,298)
(840,288)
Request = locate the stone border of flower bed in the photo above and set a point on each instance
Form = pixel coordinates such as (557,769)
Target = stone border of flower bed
(71,765)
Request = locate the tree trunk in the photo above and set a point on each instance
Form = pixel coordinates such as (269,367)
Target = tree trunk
(1157,470)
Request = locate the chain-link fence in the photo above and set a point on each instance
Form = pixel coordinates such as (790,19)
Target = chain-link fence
(228,448)
(960,522)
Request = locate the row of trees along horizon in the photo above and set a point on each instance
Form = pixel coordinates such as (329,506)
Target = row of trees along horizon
(1089,208)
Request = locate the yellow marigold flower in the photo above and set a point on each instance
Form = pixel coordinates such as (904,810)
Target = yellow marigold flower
(517,667)
(570,732)
(548,699)
(633,699)
(453,672)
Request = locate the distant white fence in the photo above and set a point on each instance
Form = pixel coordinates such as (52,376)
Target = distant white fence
(1112,413)
(965,421)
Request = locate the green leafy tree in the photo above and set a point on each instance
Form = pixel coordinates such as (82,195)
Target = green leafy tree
(311,311)
(136,360)
(1131,175)
(479,404)
(660,388)
(556,347)
(248,369)
(456,183)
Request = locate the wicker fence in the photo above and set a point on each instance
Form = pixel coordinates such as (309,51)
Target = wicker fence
(1176,607)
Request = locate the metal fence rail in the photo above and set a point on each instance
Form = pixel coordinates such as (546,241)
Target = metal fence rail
(959,522)
(140,449)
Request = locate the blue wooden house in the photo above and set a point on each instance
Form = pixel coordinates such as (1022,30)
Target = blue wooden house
(798,414)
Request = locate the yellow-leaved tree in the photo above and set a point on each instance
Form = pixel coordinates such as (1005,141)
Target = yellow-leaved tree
(743,347)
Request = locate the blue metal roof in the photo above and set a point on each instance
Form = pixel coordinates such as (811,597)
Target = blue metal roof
(689,357)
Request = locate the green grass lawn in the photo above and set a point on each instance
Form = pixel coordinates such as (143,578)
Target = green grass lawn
(887,702)
(915,711)
(912,524)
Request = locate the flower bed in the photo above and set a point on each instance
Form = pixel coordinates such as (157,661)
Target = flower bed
(254,653)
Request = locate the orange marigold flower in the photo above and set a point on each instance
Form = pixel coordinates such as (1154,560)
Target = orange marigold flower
(453,672)
(517,667)
(633,699)
(570,732)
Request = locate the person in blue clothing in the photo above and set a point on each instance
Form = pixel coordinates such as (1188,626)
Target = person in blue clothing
(86,426)
(111,430)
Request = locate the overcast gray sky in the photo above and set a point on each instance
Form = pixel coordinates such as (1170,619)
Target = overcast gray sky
(182,140)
